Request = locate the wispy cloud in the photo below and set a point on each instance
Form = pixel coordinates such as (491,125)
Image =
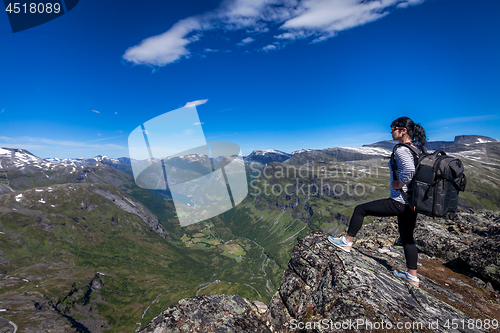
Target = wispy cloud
(246,41)
(456,120)
(220,136)
(196,103)
(2,111)
(317,20)
(41,142)
(198,123)
(95,111)
(110,138)
(6,139)
(225,110)
(269,47)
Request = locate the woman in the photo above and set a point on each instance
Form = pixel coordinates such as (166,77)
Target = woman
(404,130)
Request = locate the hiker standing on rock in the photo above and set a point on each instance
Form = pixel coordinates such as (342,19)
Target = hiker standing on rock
(405,131)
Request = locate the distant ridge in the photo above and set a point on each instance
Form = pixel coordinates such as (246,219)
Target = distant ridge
(267,156)
(459,142)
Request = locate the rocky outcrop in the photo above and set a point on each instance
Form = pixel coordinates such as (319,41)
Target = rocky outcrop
(483,257)
(325,288)
(132,206)
(80,306)
(470,242)
(211,313)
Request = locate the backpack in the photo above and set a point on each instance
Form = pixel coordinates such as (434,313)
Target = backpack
(433,190)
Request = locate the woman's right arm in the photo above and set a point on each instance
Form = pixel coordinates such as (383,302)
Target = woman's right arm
(405,163)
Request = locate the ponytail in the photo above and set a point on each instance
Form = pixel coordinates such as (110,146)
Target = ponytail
(415,131)
(419,137)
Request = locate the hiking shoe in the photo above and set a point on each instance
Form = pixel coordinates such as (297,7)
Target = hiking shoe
(341,242)
(406,276)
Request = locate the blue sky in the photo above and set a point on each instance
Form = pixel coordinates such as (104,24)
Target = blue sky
(282,74)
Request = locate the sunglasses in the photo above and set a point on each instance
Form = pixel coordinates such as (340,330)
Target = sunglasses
(396,128)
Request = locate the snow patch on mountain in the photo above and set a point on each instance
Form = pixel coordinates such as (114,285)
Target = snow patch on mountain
(267,151)
(369,150)
(479,140)
(301,151)
(267,156)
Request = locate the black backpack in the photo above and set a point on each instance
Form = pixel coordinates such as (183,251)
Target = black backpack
(438,178)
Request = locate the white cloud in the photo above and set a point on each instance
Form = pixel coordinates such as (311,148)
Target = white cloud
(196,103)
(95,111)
(287,19)
(293,35)
(167,47)
(326,18)
(198,123)
(269,47)
(246,41)
(210,50)
(2,111)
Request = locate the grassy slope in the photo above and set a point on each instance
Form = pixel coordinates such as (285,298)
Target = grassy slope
(60,248)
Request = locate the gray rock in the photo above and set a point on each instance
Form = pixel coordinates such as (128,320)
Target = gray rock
(210,313)
(132,206)
(471,242)
(483,257)
(324,284)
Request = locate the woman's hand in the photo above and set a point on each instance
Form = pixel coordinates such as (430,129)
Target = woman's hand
(397,184)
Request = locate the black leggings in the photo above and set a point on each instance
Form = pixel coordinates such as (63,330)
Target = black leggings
(389,207)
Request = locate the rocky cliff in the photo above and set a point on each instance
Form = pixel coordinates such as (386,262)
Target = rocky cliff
(325,289)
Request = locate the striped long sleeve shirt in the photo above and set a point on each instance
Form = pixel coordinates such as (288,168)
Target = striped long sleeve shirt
(405,169)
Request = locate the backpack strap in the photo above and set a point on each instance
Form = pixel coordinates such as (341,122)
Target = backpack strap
(414,151)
